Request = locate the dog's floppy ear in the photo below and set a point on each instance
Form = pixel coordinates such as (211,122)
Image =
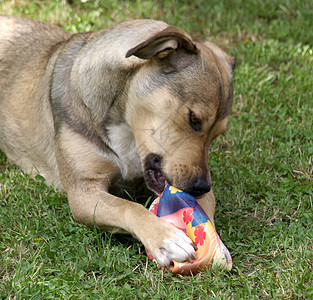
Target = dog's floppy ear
(163,43)
(230,60)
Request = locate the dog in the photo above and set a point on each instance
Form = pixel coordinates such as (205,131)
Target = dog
(90,111)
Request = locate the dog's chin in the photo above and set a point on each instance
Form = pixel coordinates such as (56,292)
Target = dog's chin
(155,181)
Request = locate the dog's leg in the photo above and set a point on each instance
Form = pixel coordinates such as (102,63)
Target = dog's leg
(86,176)
(207,202)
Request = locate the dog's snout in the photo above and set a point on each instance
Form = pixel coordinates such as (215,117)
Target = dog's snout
(199,187)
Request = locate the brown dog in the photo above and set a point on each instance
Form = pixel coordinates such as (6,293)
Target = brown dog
(90,110)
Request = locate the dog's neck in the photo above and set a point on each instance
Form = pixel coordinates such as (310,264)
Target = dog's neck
(122,142)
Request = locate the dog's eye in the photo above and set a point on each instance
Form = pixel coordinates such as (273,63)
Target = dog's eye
(195,123)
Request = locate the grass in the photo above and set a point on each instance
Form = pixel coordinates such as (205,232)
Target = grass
(262,168)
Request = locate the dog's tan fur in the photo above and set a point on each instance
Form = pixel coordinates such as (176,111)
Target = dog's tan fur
(89,110)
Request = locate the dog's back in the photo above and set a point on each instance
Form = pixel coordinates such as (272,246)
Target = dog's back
(25,45)
(25,49)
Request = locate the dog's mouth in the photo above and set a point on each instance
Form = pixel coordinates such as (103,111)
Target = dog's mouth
(153,175)
(155,181)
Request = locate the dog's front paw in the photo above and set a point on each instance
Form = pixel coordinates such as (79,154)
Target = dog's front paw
(178,247)
(167,243)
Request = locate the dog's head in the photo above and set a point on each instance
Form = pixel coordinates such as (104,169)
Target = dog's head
(179,100)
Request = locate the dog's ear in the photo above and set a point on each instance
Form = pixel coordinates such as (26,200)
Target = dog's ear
(230,60)
(163,43)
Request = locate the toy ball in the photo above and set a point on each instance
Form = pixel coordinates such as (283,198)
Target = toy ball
(184,212)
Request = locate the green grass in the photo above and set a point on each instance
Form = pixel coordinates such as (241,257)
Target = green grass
(262,168)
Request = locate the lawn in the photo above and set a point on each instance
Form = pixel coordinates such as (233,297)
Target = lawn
(262,168)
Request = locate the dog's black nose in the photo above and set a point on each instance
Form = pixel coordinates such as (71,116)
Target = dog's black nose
(199,187)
